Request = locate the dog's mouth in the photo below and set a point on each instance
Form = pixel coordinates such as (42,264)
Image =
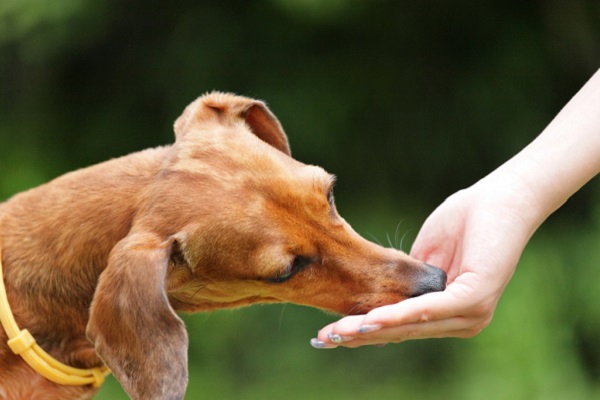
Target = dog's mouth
(430,279)
(181,303)
(420,280)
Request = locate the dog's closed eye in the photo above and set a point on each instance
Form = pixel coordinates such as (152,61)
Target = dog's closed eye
(297,264)
(330,198)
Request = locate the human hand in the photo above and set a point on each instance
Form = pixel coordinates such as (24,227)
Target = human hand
(476,236)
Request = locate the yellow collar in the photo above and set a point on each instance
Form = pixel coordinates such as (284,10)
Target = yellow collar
(21,342)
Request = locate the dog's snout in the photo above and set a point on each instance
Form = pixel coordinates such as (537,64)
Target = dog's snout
(430,279)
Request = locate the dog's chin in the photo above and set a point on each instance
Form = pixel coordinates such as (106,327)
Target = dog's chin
(209,305)
(364,307)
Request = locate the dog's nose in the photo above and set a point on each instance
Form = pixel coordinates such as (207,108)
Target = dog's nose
(431,279)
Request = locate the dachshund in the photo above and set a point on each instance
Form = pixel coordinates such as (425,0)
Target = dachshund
(98,262)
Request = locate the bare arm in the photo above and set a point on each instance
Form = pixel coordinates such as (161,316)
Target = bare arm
(567,153)
(478,234)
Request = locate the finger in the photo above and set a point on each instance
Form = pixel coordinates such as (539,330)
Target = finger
(434,244)
(439,314)
(429,307)
(435,329)
(346,327)
(460,299)
(391,324)
(395,334)
(359,342)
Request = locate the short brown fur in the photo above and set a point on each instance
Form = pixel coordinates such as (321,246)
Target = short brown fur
(113,251)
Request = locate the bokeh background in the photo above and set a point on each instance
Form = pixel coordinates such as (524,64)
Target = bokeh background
(405,101)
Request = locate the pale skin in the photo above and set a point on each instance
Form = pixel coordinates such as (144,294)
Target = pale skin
(478,234)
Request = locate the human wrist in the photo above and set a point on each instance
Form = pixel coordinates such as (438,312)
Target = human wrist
(519,189)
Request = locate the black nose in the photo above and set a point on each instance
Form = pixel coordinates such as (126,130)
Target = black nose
(431,279)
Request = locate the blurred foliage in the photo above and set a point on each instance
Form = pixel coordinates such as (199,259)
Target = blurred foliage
(406,102)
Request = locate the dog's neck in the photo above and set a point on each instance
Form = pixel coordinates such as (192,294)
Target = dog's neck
(35,282)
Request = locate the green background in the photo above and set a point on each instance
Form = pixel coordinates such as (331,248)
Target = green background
(405,101)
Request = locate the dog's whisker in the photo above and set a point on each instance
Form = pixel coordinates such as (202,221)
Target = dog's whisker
(353,308)
(281,317)
(375,239)
(397,245)
(391,244)
(400,247)
(200,286)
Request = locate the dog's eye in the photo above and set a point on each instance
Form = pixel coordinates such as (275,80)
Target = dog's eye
(297,264)
(329,195)
(331,201)
(330,198)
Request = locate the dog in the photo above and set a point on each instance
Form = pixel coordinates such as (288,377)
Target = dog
(98,262)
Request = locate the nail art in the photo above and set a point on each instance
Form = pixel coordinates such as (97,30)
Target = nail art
(335,338)
(317,344)
(369,328)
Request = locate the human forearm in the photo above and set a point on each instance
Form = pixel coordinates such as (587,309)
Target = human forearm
(562,158)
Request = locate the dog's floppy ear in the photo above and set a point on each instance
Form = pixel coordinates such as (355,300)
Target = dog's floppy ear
(226,108)
(133,326)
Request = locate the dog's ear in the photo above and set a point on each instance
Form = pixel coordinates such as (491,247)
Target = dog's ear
(226,108)
(133,326)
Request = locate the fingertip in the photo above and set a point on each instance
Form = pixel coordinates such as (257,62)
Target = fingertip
(368,328)
(320,344)
(345,327)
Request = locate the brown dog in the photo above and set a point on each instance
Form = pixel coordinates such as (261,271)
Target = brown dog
(222,218)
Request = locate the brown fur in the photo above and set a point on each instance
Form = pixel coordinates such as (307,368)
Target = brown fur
(113,251)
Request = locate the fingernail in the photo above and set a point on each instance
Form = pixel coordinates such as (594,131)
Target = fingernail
(335,338)
(369,328)
(319,344)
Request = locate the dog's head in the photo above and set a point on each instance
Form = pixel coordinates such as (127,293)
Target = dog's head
(232,219)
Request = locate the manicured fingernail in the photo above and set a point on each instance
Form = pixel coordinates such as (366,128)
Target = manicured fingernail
(335,338)
(318,344)
(369,328)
